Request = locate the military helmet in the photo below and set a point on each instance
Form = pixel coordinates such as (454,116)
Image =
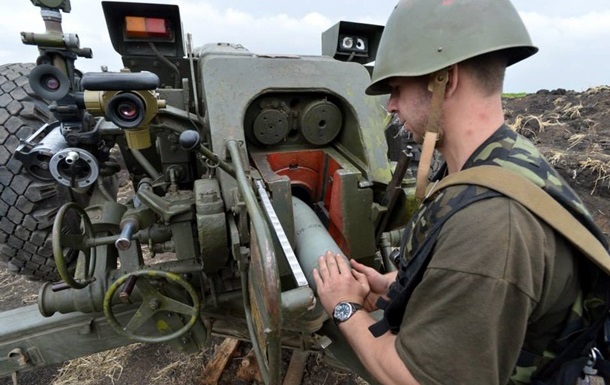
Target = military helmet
(424,36)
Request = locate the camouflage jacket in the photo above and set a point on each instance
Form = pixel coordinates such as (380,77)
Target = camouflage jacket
(507,149)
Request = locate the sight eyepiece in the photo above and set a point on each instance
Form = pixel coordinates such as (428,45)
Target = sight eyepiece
(49,82)
(126,110)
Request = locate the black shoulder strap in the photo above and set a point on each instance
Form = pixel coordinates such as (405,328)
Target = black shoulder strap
(411,273)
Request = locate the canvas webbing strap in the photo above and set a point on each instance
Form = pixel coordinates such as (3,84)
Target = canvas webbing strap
(536,201)
(434,133)
(425,162)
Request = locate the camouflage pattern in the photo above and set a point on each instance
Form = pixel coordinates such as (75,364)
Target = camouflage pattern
(505,148)
(512,151)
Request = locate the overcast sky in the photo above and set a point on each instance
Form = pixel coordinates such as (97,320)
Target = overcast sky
(573,37)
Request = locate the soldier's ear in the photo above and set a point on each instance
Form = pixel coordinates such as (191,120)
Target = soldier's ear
(453,79)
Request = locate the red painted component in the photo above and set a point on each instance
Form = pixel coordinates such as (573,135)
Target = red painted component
(316,171)
(304,168)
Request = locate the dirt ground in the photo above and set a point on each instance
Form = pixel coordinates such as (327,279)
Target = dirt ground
(573,131)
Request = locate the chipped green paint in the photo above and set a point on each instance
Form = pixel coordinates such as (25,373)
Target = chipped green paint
(163,326)
(373,127)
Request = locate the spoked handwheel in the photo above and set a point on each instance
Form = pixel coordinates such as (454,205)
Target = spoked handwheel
(264,317)
(85,264)
(153,302)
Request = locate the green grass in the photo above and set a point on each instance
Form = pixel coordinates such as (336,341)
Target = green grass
(514,95)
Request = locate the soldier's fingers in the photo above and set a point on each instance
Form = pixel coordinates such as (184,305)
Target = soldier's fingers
(322,267)
(361,278)
(342,263)
(362,268)
(317,278)
(331,263)
(358,275)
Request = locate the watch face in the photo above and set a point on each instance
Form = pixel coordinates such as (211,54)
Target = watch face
(342,311)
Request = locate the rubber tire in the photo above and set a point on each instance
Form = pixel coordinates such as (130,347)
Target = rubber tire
(27,205)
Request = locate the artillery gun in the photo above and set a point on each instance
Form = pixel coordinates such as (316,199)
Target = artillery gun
(245,168)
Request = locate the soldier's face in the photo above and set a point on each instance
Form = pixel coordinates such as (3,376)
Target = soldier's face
(410,101)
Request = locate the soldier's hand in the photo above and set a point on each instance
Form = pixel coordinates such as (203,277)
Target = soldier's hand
(335,282)
(379,283)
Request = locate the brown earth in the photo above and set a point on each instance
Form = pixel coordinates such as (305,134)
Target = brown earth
(573,131)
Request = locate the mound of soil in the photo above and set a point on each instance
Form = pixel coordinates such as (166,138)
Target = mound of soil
(573,131)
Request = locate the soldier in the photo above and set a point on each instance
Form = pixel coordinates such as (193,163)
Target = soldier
(484,286)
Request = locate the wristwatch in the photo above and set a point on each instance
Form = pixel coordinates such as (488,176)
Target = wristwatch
(344,311)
